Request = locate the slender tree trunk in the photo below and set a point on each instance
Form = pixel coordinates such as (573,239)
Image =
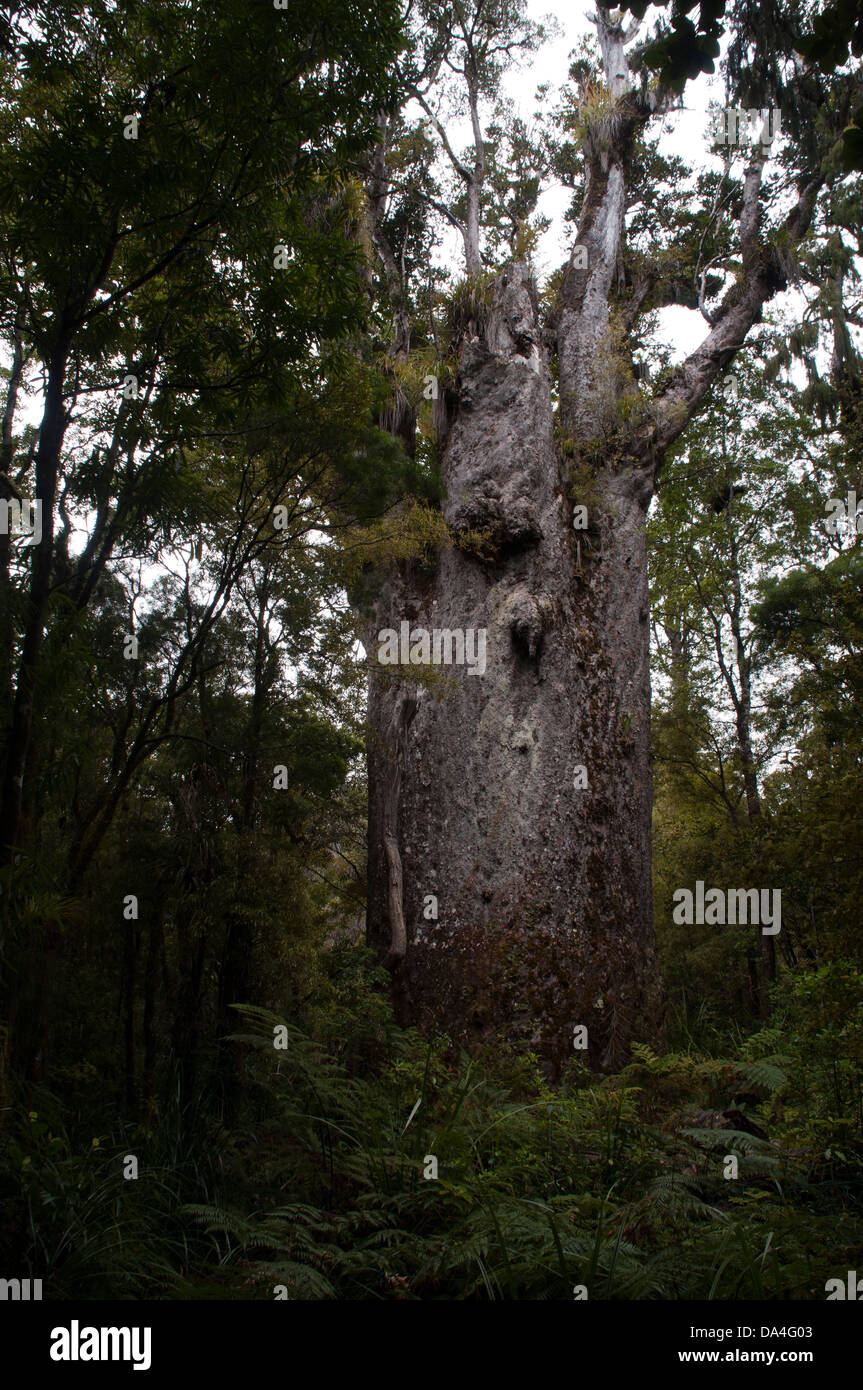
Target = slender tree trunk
(400,417)
(235,980)
(743,717)
(766,948)
(7,493)
(151,976)
(186,1023)
(19,734)
(130,961)
(475,183)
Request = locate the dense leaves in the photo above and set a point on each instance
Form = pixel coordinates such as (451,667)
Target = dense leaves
(218,284)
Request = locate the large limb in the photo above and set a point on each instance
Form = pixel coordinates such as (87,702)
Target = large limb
(763,276)
(596,261)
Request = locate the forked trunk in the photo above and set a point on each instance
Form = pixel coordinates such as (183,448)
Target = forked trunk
(509,832)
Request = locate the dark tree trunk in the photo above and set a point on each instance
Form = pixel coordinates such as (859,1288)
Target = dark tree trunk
(130,963)
(151,980)
(17,742)
(7,493)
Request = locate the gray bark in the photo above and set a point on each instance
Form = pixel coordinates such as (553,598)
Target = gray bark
(542,885)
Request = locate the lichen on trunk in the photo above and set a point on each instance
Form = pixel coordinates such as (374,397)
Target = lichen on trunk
(543,919)
(516,802)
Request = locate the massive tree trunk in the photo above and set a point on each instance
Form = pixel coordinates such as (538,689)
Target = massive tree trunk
(542,883)
(509,846)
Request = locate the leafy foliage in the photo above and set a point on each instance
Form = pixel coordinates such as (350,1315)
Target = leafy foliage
(186,874)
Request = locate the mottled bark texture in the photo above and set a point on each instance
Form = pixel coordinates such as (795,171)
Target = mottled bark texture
(544,913)
(543,884)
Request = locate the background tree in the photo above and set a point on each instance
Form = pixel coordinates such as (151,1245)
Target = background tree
(128,198)
(735,503)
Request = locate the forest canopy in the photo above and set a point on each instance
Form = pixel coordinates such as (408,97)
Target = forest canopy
(360,945)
